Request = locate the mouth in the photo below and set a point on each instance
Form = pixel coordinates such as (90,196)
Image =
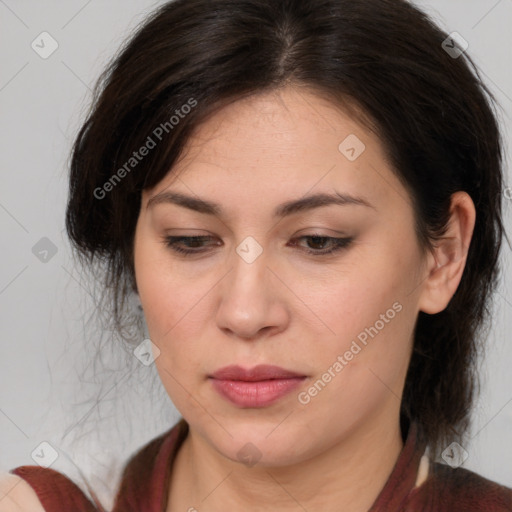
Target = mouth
(255,387)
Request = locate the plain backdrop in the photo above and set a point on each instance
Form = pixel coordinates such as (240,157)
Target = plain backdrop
(43,296)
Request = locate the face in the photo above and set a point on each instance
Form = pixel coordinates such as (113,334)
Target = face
(328,291)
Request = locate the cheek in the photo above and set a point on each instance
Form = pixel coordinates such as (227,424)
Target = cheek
(159,304)
(166,305)
(170,302)
(160,293)
(347,302)
(367,315)
(361,361)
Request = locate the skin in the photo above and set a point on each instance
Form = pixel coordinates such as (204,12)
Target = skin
(288,308)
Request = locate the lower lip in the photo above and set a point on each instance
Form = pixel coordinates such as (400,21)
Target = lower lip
(255,394)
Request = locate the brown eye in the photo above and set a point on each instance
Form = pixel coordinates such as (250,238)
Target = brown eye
(315,240)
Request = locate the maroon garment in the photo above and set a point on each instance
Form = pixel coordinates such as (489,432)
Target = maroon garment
(145,481)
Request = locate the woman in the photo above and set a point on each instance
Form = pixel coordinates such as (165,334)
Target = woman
(305,197)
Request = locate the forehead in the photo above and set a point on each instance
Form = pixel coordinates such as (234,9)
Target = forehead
(289,143)
(286,119)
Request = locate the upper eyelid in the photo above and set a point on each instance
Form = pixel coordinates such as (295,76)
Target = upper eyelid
(303,235)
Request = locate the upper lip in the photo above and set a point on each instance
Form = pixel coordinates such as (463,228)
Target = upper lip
(260,372)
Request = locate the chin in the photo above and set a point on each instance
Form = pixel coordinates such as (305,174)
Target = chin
(262,444)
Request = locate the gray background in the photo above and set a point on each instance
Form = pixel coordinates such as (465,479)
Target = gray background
(47,379)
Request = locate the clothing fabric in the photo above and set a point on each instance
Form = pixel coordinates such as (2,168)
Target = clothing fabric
(414,485)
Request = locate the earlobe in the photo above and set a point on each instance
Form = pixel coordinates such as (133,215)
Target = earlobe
(447,261)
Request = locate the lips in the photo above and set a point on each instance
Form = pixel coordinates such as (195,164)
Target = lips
(254,387)
(260,372)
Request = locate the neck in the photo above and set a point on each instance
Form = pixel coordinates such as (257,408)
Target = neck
(349,476)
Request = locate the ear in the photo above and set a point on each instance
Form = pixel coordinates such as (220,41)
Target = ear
(446,262)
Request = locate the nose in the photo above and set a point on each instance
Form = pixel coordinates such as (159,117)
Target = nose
(252,300)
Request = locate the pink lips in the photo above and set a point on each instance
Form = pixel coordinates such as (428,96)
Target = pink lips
(255,387)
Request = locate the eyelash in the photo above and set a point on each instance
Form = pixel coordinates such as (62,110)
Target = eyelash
(339,244)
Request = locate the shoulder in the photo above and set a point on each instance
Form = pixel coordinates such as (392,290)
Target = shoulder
(38,489)
(461,490)
(16,495)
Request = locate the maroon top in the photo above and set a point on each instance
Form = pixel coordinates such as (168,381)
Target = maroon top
(145,483)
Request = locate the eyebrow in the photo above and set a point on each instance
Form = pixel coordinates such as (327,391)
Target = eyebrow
(285,209)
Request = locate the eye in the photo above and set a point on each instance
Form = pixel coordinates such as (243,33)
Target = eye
(195,244)
(196,241)
(335,244)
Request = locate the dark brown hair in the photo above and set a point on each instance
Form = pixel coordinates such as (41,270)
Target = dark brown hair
(432,112)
